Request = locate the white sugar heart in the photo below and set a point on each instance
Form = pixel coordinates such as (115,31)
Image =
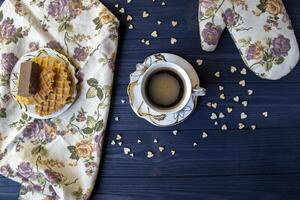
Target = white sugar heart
(233,69)
(245,103)
(199,62)
(243,71)
(161,148)
(213,116)
(221,115)
(218,74)
(208,104)
(221,88)
(265,114)
(129,18)
(241,126)
(139,141)
(250,92)
(253,127)
(129,1)
(173,152)
(145,14)
(116,5)
(242,83)
(229,110)
(131,154)
(126,150)
(120,143)
(118,137)
(214,105)
(150,154)
(222,96)
(195,144)
(244,115)
(204,135)
(155,141)
(174,23)
(216,123)
(122,10)
(130,26)
(163,3)
(173,40)
(154,34)
(159,22)
(236,98)
(113,142)
(224,127)
(175,132)
(147,42)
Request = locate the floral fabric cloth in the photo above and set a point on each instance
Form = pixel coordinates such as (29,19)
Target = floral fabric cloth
(57,158)
(261,30)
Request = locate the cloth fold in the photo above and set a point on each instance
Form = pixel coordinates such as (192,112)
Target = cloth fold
(57,158)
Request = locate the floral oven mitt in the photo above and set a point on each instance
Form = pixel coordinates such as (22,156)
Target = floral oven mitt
(261,30)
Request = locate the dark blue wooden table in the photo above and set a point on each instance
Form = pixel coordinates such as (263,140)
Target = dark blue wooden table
(234,164)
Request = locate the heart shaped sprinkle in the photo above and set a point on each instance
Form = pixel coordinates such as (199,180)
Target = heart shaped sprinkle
(113,142)
(120,143)
(139,141)
(213,116)
(221,88)
(129,18)
(243,71)
(126,150)
(265,114)
(204,135)
(118,137)
(199,62)
(208,104)
(253,127)
(155,141)
(154,34)
(175,132)
(244,115)
(250,92)
(222,96)
(161,148)
(122,10)
(242,83)
(159,22)
(150,154)
(216,123)
(221,115)
(229,110)
(218,74)
(245,103)
(131,154)
(174,23)
(173,152)
(145,14)
(233,69)
(214,105)
(195,144)
(224,127)
(147,42)
(173,40)
(241,126)
(130,26)
(236,98)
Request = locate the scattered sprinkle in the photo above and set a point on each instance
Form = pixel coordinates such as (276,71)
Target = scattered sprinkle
(173,40)
(113,142)
(241,126)
(154,34)
(265,114)
(173,152)
(208,104)
(139,141)
(221,88)
(131,154)
(245,103)
(204,135)
(129,18)
(130,26)
(126,150)
(119,137)
(253,127)
(161,148)
(224,127)
(117,119)
(216,123)
(175,132)
(218,74)
(250,92)
(123,101)
(155,141)
(242,83)
(222,96)
(120,143)
(213,116)
(214,105)
(146,14)
(244,115)
(159,22)
(199,62)
(233,69)
(236,98)
(195,144)
(243,71)
(221,115)
(122,10)
(150,154)
(229,110)
(174,23)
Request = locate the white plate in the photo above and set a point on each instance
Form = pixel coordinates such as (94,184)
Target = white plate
(29,110)
(135,97)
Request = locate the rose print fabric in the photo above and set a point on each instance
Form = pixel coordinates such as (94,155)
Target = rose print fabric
(261,30)
(57,158)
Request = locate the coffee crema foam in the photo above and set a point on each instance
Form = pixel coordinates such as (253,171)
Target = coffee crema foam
(164,89)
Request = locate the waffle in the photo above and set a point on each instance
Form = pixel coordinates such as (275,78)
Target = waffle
(60,94)
(55,86)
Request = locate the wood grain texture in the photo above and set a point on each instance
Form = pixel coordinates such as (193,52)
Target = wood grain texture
(237,164)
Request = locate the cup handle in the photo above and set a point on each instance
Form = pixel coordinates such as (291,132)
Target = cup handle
(199,91)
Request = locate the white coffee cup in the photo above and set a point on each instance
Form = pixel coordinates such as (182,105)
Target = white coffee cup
(188,89)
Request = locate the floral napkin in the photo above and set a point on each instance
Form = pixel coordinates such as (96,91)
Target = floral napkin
(57,158)
(261,30)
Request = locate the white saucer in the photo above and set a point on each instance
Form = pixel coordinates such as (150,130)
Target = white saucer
(30,110)
(135,97)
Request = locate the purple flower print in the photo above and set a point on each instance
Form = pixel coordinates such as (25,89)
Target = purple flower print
(53,176)
(32,130)
(57,7)
(54,45)
(8,61)
(281,46)
(211,34)
(208,4)
(6,170)
(24,170)
(250,53)
(7,29)
(229,17)
(80,53)
(33,46)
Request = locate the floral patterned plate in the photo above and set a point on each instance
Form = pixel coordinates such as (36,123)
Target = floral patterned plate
(29,110)
(135,97)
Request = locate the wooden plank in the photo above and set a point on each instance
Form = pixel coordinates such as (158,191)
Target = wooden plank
(222,153)
(195,188)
